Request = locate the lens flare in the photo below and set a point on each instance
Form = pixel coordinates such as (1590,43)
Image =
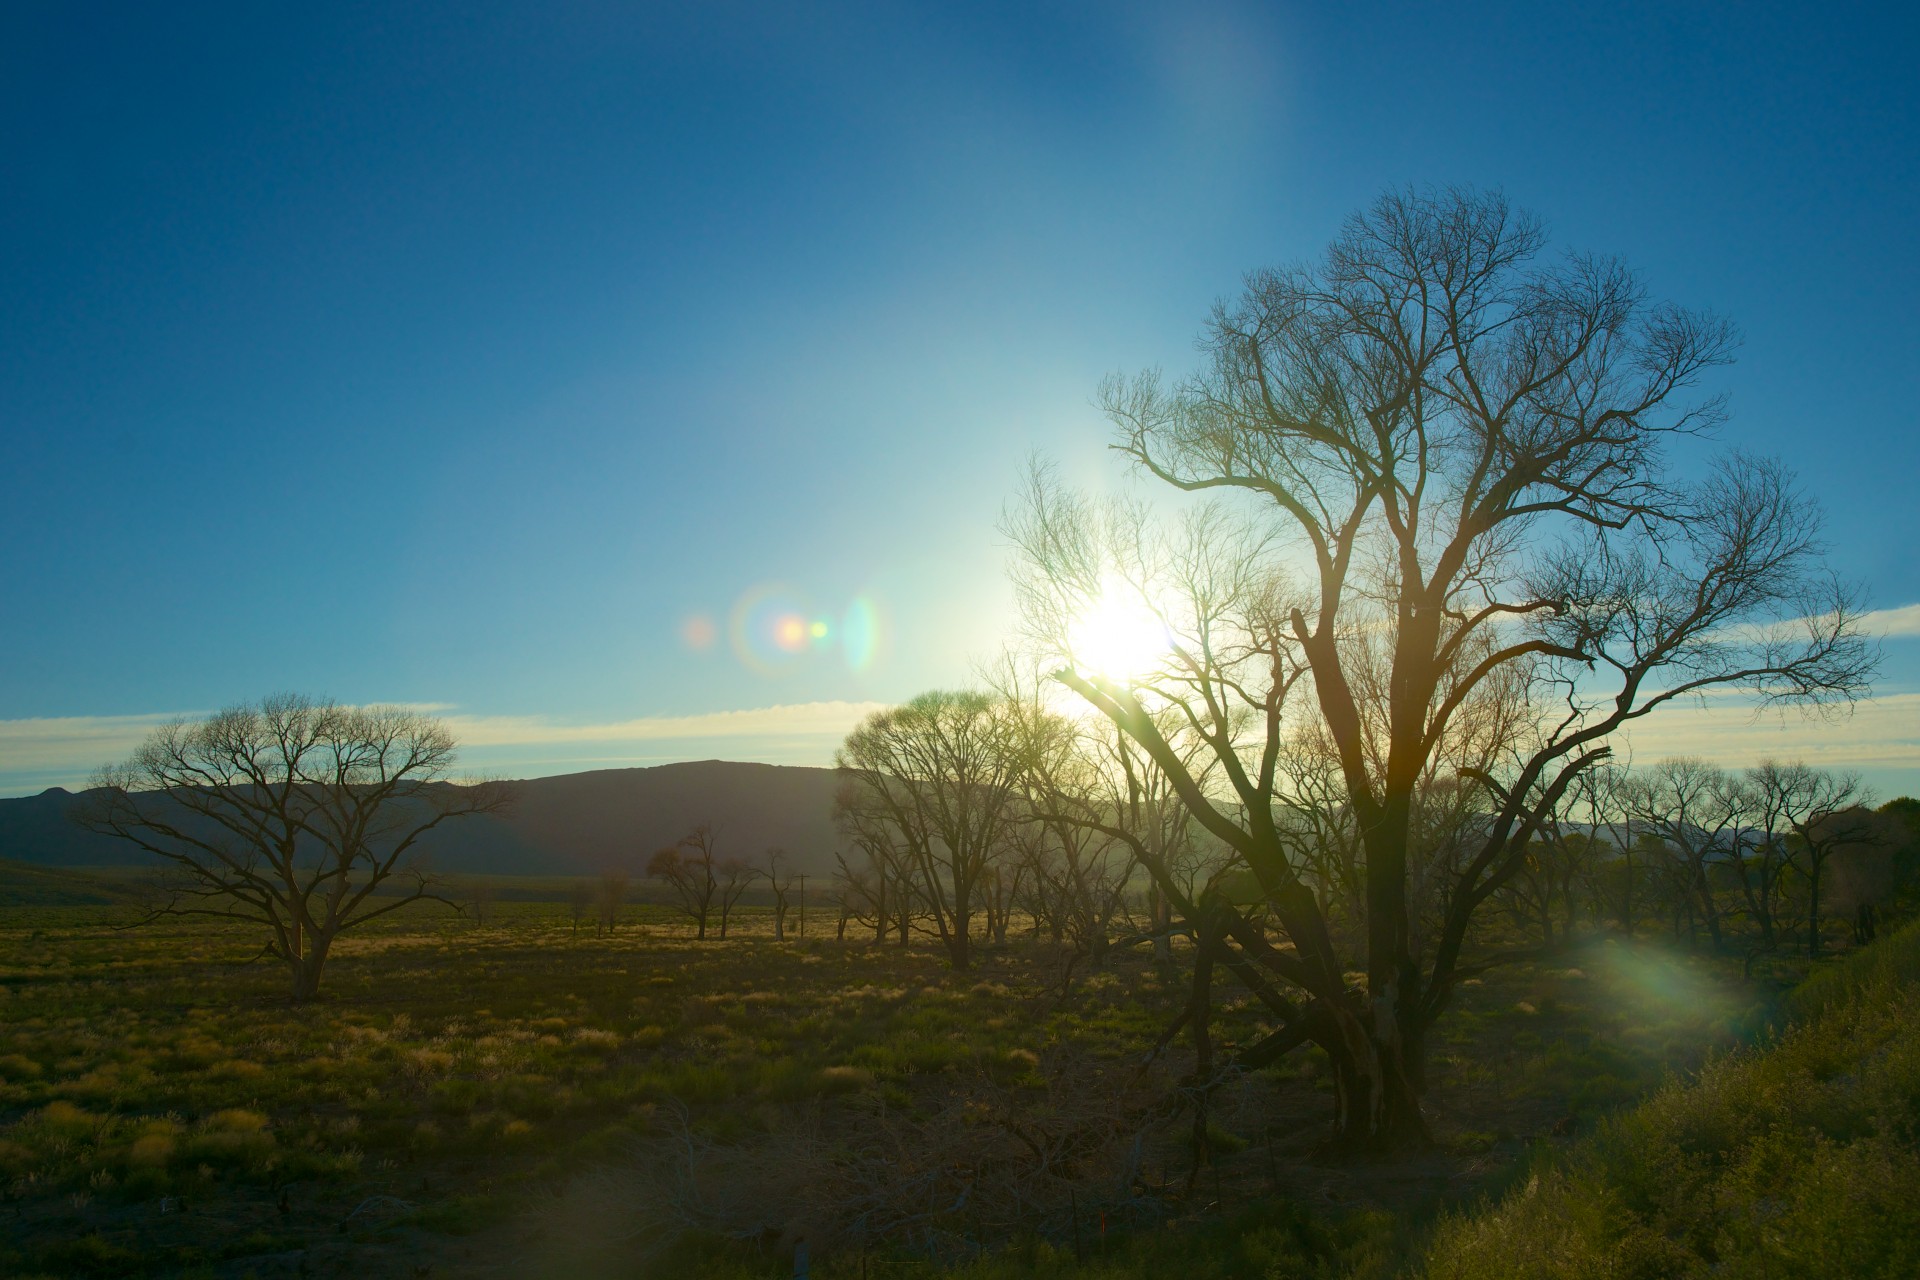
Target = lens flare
(773,629)
(769,629)
(860,633)
(698,632)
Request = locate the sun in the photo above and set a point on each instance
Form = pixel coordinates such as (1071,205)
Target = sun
(1117,637)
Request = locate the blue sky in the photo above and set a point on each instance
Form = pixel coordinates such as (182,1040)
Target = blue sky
(485,356)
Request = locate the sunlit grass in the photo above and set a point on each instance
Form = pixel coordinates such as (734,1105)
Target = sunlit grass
(1796,1158)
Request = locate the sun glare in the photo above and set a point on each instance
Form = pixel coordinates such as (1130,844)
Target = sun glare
(1117,637)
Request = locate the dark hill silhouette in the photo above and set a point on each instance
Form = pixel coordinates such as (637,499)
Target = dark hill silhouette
(577,823)
(25,885)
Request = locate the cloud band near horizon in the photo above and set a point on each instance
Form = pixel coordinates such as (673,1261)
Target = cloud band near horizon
(1879,738)
(40,753)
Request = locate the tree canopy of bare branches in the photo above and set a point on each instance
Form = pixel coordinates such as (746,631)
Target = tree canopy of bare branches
(936,779)
(1445,517)
(296,814)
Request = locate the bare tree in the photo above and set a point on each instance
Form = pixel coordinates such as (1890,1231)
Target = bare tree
(480,893)
(863,896)
(1826,813)
(875,886)
(1578,852)
(1696,810)
(1078,869)
(735,877)
(937,778)
(298,815)
(688,868)
(1598,797)
(610,894)
(1763,847)
(580,895)
(1463,440)
(780,878)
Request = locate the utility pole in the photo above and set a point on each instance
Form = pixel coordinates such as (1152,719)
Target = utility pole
(803,904)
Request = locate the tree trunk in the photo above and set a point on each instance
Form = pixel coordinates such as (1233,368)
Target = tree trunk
(1626,893)
(1708,910)
(1763,909)
(1813,912)
(1866,924)
(959,943)
(1162,923)
(306,970)
(1379,1079)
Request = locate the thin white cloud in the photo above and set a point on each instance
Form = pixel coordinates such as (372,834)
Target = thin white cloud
(64,751)
(1904,621)
(1880,734)
(69,743)
(809,719)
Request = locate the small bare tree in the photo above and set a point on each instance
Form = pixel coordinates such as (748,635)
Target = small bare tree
(736,876)
(610,894)
(877,892)
(580,895)
(1697,811)
(298,815)
(1763,861)
(780,878)
(1077,868)
(690,870)
(480,894)
(1826,813)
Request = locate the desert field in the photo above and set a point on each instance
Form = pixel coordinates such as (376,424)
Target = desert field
(529,1096)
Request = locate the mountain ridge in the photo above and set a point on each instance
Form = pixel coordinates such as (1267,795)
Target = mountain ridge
(569,823)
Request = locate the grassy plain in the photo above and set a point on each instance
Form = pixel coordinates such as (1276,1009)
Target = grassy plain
(523,1098)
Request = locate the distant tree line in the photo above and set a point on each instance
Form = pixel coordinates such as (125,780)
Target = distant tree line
(966,811)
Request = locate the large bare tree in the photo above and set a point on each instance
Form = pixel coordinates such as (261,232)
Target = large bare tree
(1458,443)
(299,815)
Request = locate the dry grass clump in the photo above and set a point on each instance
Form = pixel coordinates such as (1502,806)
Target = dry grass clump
(426,1061)
(16,1066)
(236,1069)
(844,1079)
(153,1148)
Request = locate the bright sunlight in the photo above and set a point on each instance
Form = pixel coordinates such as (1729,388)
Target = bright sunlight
(1117,637)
